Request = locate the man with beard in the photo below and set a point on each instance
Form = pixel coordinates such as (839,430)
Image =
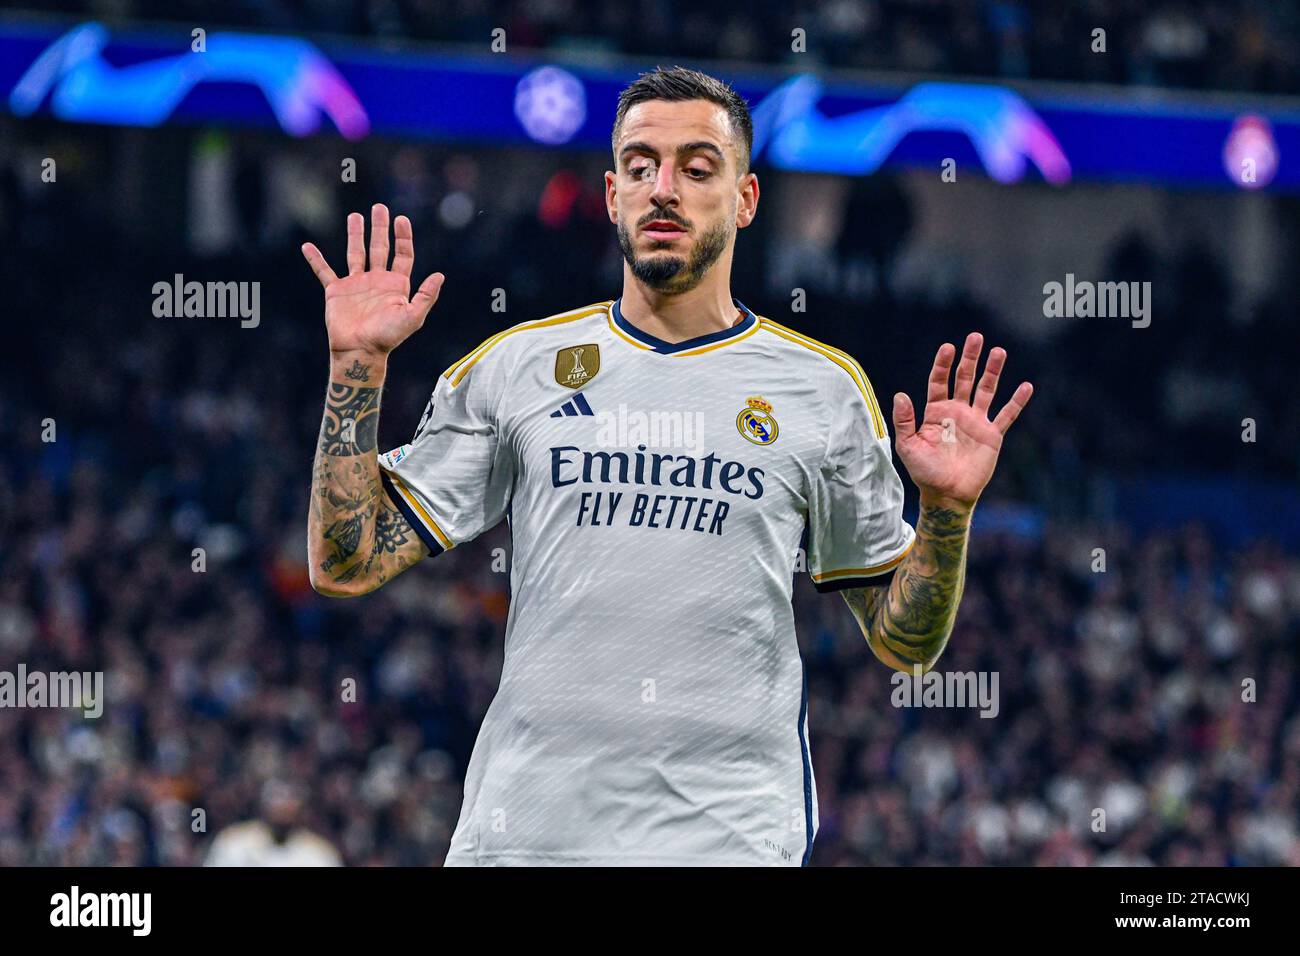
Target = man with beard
(652,706)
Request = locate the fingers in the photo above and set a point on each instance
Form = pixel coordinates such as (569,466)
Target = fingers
(426,296)
(970,357)
(356,243)
(318,264)
(404,246)
(378,237)
(904,418)
(989,380)
(1012,409)
(937,387)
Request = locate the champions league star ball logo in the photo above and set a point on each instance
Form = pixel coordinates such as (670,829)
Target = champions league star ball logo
(551,105)
(756,423)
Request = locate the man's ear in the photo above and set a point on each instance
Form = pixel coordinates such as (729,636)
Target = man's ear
(611,195)
(746,211)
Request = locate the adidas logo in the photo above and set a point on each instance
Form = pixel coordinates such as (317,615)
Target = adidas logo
(574,406)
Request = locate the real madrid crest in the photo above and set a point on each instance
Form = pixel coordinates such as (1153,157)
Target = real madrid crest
(576,365)
(756,422)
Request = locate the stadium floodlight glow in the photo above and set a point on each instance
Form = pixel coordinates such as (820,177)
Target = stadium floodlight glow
(298,82)
(1250,152)
(1002,127)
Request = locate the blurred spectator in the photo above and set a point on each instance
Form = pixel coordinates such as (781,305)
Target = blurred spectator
(275,840)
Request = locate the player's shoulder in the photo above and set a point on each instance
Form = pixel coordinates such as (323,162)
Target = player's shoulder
(840,376)
(500,350)
(836,367)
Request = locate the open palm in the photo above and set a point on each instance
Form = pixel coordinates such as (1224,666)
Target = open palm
(368,310)
(951,456)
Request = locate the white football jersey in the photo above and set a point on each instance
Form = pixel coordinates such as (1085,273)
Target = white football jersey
(652,706)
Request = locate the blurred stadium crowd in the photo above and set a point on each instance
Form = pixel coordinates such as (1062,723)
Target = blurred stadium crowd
(1205,44)
(1120,690)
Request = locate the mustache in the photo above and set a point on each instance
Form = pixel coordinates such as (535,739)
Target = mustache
(665,218)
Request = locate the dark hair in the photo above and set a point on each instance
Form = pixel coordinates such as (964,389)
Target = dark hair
(679,83)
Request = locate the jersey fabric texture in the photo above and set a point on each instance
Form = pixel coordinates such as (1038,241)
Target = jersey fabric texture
(652,707)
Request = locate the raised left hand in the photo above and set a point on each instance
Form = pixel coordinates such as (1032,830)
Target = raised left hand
(952,455)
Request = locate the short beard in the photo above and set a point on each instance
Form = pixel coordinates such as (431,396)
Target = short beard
(671,273)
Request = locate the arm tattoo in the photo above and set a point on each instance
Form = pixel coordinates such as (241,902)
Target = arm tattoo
(357,536)
(388,556)
(346,535)
(391,530)
(910,621)
(351,425)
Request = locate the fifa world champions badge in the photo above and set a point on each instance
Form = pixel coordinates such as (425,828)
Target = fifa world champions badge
(576,365)
(756,422)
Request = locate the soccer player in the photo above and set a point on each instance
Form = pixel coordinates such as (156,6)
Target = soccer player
(652,706)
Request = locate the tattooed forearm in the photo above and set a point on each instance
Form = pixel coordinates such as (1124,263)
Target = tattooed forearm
(392,530)
(351,425)
(910,621)
(345,535)
(357,539)
(395,541)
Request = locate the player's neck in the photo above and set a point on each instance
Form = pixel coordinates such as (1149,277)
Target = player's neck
(676,318)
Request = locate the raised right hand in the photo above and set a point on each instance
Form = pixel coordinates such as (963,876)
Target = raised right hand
(368,311)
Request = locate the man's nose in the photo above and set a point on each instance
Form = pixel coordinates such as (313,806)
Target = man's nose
(665,190)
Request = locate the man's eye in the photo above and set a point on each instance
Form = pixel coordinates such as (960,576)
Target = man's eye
(698,173)
(645,173)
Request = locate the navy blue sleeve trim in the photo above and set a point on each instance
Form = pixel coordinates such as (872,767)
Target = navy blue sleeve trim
(841,584)
(431,542)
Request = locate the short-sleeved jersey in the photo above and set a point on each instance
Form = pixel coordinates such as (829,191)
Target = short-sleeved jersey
(652,706)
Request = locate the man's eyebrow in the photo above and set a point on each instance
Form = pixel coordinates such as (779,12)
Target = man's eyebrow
(699,146)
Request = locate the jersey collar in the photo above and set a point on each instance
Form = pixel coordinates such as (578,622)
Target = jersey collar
(700,343)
